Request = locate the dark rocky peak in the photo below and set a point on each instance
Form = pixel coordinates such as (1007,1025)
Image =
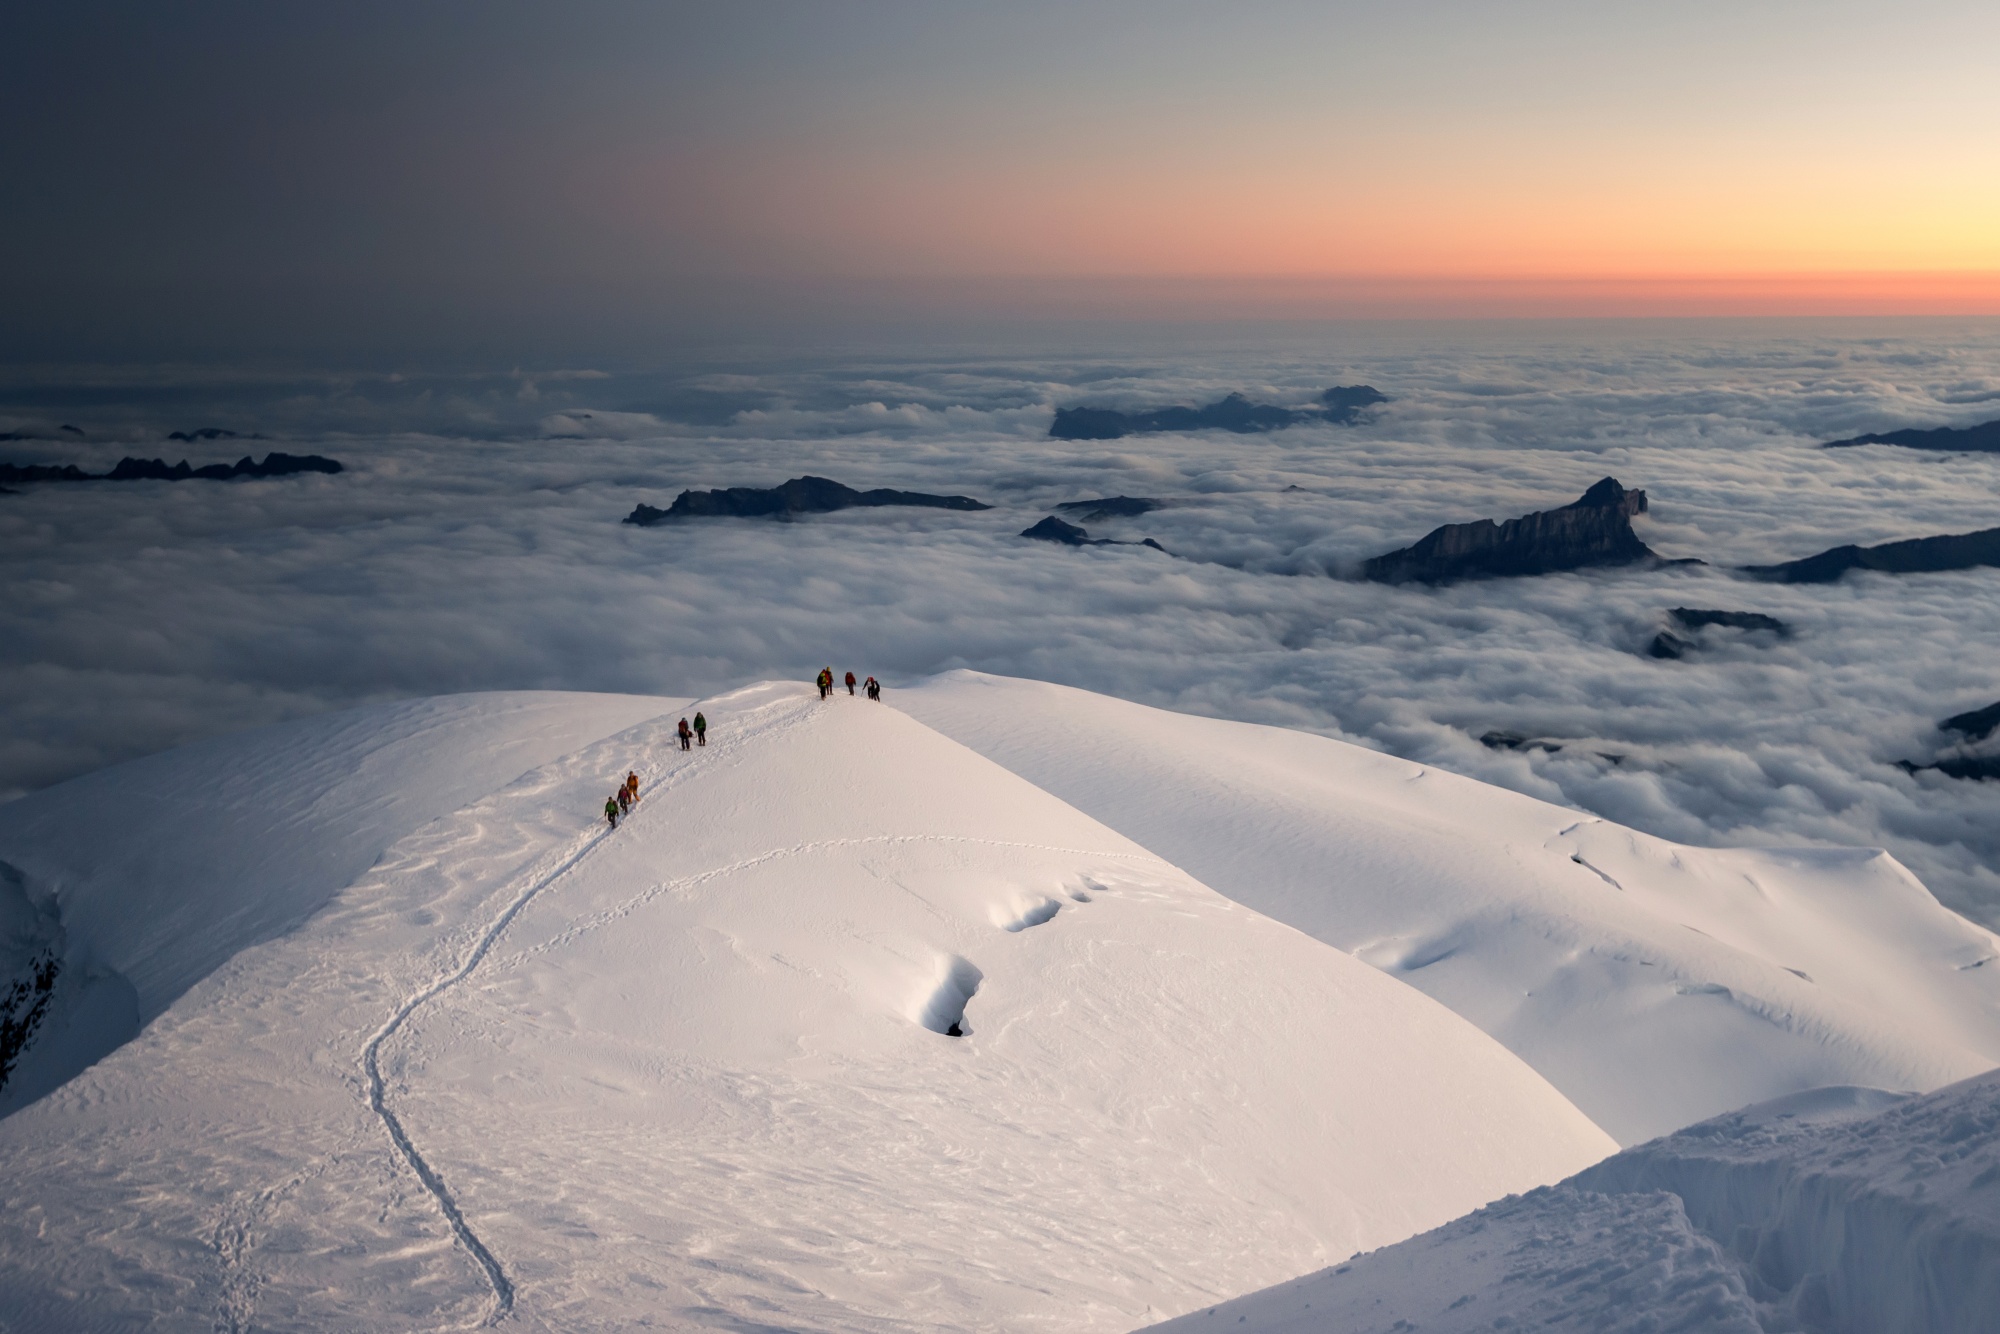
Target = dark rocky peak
(1983,438)
(1918,555)
(801,495)
(1693,620)
(1973,727)
(1976,724)
(1592,531)
(1608,494)
(1053,529)
(1346,403)
(1112,507)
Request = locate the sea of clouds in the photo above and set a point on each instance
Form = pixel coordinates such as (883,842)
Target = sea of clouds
(474,543)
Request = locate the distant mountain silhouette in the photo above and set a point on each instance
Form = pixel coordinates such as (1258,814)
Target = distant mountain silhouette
(801,495)
(137,470)
(1983,438)
(210,433)
(1053,529)
(1918,555)
(1594,530)
(1342,405)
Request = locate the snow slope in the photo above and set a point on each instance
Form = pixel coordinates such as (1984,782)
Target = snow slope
(1654,984)
(143,878)
(1842,1211)
(700,1070)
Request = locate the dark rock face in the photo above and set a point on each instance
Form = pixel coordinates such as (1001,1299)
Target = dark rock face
(156,470)
(1595,530)
(1342,405)
(1668,644)
(1113,507)
(1919,555)
(1053,529)
(1694,618)
(1980,767)
(1983,438)
(46,472)
(801,495)
(1516,741)
(1347,403)
(274,465)
(1976,725)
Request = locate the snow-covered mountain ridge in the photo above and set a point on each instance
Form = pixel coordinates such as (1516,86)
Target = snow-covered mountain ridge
(698,1070)
(424,1043)
(1655,984)
(150,875)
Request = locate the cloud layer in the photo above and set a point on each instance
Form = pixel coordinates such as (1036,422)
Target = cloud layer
(474,543)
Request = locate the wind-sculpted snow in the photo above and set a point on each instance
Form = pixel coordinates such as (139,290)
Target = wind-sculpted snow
(1839,1211)
(844,1028)
(473,543)
(154,874)
(1654,984)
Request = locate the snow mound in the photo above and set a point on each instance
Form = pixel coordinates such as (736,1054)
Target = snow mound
(1654,984)
(141,879)
(1837,1210)
(846,1028)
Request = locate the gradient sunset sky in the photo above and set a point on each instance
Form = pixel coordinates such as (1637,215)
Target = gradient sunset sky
(219,172)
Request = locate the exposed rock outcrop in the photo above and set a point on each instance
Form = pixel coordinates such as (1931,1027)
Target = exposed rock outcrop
(1974,725)
(1977,767)
(135,470)
(1918,555)
(1983,438)
(1053,529)
(1342,405)
(801,495)
(1498,740)
(1593,531)
(1691,620)
(1112,507)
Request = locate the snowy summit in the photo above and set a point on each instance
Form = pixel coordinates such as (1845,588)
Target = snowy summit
(905,1015)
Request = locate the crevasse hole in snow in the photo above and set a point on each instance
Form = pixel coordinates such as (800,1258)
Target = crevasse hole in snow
(944,1011)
